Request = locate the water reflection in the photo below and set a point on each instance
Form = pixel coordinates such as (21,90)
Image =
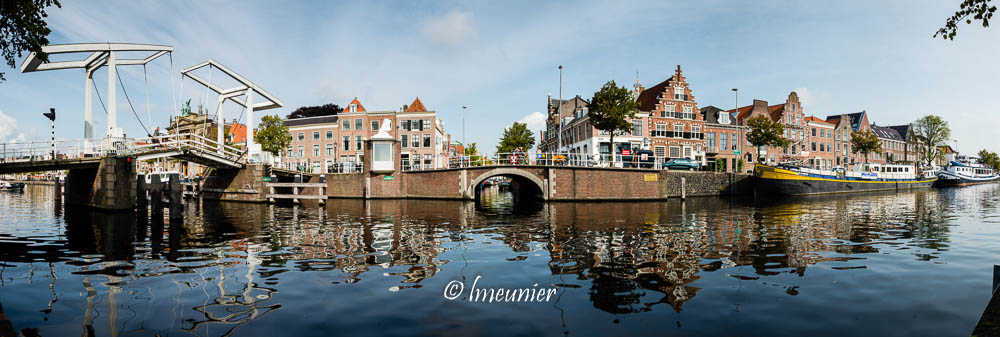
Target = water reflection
(229,264)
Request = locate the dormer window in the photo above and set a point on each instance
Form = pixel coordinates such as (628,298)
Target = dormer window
(353,108)
(723,118)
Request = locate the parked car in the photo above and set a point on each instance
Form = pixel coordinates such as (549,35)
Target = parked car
(641,158)
(682,164)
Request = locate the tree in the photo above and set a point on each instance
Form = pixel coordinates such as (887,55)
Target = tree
(514,137)
(762,131)
(272,135)
(865,142)
(23,28)
(475,159)
(980,10)
(928,133)
(329,109)
(989,158)
(610,111)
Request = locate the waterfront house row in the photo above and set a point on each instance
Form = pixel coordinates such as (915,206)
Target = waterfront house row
(672,125)
(328,143)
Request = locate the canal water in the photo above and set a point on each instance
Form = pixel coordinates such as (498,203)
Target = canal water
(914,263)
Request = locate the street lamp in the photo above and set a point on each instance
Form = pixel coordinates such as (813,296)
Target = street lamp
(463,131)
(736,93)
(559,111)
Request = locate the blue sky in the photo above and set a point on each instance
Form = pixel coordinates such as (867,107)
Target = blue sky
(500,58)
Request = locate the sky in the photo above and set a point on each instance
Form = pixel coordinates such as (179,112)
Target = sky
(501,58)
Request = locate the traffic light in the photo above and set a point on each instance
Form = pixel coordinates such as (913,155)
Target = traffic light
(51,114)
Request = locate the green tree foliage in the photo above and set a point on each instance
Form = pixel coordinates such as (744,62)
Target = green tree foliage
(762,131)
(610,110)
(516,136)
(928,133)
(475,159)
(989,158)
(865,142)
(23,28)
(979,10)
(272,135)
(329,109)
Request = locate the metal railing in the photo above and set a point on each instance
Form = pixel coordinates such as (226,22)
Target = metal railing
(345,167)
(114,146)
(562,159)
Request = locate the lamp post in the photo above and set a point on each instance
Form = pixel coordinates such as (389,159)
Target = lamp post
(463,131)
(559,112)
(736,93)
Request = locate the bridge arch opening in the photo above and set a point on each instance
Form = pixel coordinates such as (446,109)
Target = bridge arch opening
(522,185)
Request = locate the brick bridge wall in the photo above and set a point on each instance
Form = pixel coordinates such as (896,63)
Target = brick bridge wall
(556,183)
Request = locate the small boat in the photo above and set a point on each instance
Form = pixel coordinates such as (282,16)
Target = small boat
(962,174)
(6,186)
(794,180)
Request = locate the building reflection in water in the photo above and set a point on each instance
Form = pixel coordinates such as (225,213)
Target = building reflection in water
(225,261)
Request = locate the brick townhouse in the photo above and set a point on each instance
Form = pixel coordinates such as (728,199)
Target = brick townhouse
(321,142)
(841,140)
(790,115)
(675,123)
(893,145)
(853,122)
(721,135)
(821,153)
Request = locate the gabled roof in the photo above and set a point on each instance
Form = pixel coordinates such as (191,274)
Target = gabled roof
(650,97)
(361,108)
(901,129)
(416,106)
(887,133)
(817,120)
(238,132)
(712,113)
(744,111)
(568,105)
(855,119)
(775,111)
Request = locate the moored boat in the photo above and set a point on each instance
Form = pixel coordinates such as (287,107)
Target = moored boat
(793,180)
(962,174)
(6,186)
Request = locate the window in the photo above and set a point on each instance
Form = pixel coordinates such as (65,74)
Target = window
(289,152)
(302,151)
(415,141)
(668,110)
(724,142)
(661,130)
(427,140)
(406,125)
(675,152)
(315,135)
(659,151)
(822,133)
(814,146)
(814,132)
(329,135)
(352,108)
(315,150)
(637,127)
(711,140)
(347,143)
(428,161)
(404,141)
(359,124)
(346,124)
(679,94)
(678,130)
(696,132)
(302,136)
(329,149)
(374,125)
(822,147)
(687,151)
(357,143)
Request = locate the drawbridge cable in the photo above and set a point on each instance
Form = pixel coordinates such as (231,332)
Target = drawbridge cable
(130,103)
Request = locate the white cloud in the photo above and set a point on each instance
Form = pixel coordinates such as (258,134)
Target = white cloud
(452,29)
(9,130)
(535,121)
(813,102)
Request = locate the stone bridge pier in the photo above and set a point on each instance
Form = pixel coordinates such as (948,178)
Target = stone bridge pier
(108,184)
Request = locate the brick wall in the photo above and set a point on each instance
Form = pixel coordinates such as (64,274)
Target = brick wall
(345,185)
(109,187)
(245,184)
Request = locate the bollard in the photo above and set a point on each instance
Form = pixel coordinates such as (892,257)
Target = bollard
(156,196)
(321,191)
(58,196)
(141,200)
(176,197)
(683,188)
